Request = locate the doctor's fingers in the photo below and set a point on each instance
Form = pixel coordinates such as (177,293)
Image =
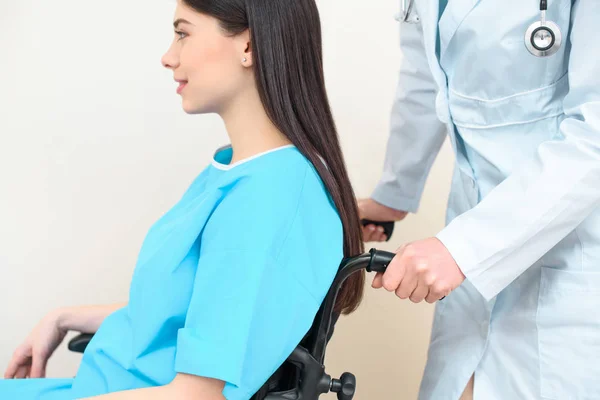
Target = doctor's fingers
(408,285)
(368,232)
(378,234)
(377,281)
(437,291)
(419,294)
(373,233)
(394,274)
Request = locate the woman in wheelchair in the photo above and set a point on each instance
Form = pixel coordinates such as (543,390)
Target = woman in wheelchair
(227,282)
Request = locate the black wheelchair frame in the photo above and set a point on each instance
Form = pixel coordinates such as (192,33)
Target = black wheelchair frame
(303,376)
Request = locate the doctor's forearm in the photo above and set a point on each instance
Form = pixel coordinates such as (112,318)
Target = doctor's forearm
(86,319)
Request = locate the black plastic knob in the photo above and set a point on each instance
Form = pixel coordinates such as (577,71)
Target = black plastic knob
(345,386)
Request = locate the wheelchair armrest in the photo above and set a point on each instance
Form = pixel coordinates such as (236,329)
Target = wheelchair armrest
(80,342)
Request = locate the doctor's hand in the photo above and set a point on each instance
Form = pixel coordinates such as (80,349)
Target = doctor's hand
(370,209)
(31,357)
(421,270)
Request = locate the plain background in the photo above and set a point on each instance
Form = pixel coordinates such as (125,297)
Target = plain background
(94,147)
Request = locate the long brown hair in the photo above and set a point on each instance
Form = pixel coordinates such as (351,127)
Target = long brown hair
(288,67)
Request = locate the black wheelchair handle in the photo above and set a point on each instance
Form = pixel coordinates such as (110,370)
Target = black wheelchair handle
(379,260)
(388,226)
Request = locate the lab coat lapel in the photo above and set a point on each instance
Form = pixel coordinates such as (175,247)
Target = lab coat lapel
(455,13)
(428,11)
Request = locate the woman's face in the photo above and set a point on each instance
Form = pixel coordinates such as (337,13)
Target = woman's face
(208,64)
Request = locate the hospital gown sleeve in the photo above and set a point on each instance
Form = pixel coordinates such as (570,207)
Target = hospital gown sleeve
(247,311)
(548,197)
(416,133)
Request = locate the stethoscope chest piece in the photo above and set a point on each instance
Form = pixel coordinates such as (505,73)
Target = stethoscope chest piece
(543,39)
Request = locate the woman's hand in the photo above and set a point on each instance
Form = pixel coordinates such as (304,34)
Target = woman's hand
(30,358)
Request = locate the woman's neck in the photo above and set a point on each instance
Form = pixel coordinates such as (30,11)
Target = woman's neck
(249,128)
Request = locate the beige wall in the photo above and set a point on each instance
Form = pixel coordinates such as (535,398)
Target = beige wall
(94,147)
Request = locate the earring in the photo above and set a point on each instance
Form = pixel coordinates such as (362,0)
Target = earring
(244,59)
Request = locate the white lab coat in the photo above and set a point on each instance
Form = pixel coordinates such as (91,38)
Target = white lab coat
(524,210)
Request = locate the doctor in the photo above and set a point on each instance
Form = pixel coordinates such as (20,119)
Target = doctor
(515,84)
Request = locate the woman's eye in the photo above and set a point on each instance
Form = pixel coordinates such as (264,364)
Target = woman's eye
(181,35)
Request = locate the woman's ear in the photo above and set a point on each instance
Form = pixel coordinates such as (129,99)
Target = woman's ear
(244,48)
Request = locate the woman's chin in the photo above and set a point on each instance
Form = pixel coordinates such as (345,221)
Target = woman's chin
(187,111)
(190,108)
(196,108)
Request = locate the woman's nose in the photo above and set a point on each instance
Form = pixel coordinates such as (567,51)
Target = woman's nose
(169,60)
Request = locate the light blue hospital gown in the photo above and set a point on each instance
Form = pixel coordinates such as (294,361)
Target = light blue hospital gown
(226,285)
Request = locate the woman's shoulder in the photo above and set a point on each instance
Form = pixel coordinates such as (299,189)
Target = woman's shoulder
(260,203)
(275,186)
(276,175)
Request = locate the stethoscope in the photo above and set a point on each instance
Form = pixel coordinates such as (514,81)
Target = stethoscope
(543,38)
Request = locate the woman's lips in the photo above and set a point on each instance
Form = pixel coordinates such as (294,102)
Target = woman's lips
(181,86)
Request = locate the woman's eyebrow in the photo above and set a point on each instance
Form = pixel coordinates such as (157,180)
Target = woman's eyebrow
(181,21)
